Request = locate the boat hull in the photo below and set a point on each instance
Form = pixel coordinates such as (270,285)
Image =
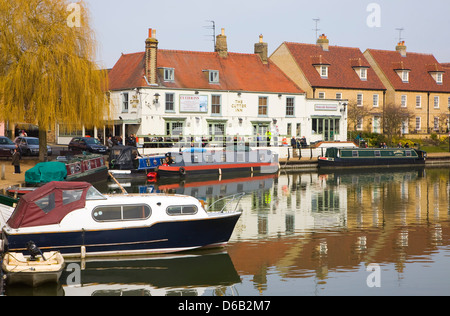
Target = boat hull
(324,162)
(219,169)
(161,237)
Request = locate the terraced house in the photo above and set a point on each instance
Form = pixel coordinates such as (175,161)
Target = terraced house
(335,73)
(208,94)
(417,83)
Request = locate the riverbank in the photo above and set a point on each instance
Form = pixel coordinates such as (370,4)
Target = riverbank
(292,164)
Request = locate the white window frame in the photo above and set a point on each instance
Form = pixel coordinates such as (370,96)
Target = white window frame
(125,102)
(436,123)
(405,76)
(418,123)
(439,77)
(339,96)
(359,99)
(324,71)
(436,102)
(321,95)
(404,101)
(213,76)
(363,73)
(418,101)
(169,74)
(359,124)
(376,100)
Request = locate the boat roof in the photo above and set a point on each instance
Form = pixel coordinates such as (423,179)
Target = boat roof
(49,204)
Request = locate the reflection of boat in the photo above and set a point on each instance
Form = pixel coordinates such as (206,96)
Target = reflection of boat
(216,187)
(77,220)
(369,157)
(125,162)
(89,167)
(232,160)
(22,269)
(187,273)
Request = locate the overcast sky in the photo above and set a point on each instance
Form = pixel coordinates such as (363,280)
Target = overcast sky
(122,26)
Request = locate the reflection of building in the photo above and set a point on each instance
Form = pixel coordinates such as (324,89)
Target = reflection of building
(384,217)
(298,203)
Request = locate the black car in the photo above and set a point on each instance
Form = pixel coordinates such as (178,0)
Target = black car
(7,144)
(90,144)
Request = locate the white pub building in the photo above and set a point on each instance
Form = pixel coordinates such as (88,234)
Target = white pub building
(205,95)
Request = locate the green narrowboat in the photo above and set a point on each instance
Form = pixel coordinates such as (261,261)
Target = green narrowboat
(368,157)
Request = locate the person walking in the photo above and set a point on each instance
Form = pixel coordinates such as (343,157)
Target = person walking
(16,160)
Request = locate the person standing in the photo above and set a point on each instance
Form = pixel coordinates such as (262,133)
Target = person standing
(16,160)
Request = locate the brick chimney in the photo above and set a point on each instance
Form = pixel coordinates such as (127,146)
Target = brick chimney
(401,48)
(261,50)
(151,49)
(221,44)
(323,42)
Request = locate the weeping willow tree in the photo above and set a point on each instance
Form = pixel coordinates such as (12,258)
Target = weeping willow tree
(48,75)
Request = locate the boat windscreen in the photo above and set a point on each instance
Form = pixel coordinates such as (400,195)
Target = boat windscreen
(93,194)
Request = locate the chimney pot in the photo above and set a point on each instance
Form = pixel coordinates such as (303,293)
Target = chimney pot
(401,48)
(221,44)
(261,49)
(323,42)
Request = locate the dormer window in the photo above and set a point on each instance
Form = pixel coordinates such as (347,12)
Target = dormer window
(213,76)
(169,74)
(363,73)
(321,64)
(324,71)
(437,72)
(405,75)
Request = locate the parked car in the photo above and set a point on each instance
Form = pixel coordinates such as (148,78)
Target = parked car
(7,144)
(90,144)
(29,146)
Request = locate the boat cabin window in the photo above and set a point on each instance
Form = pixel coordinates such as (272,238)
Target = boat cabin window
(108,213)
(377,153)
(93,194)
(70,196)
(355,153)
(47,203)
(408,153)
(182,210)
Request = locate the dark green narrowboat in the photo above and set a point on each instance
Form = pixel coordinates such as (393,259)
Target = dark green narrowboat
(368,157)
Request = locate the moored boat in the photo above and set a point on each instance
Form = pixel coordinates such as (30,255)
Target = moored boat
(77,220)
(90,167)
(30,271)
(232,160)
(371,157)
(125,162)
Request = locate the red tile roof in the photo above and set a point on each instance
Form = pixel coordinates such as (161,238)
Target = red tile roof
(341,60)
(237,72)
(419,66)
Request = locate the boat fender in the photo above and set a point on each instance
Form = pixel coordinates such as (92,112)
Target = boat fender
(220,172)
(83,252)
(182,171)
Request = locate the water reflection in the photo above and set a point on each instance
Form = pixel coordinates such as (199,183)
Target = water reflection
(301,234)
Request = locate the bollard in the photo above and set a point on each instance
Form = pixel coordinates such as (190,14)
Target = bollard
(3,171)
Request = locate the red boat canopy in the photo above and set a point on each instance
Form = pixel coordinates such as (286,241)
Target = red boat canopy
(49,204)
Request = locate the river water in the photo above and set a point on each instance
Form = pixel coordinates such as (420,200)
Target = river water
(361,232)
